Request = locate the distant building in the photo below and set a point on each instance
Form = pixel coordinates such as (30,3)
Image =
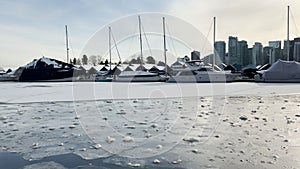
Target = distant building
(250,53)
(233,51)
(268,55)
(296,51)
(284,51)
(220,48)
(276,51)
(257,54)
(195,55)
(242,53)
(291,47)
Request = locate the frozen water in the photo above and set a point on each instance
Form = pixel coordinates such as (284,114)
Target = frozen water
(48,119)
(47,92)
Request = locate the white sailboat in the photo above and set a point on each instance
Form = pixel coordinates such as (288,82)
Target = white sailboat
(106,76)
(282,71)
(140,76)
(199,72)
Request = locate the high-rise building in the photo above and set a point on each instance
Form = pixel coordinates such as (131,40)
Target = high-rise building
(250,53)
(257,54)
(291,47)
(242,53)
(220,48)
(268,55)
(276,53)
(233,51)
(195,55)
(296,53)
(284,51)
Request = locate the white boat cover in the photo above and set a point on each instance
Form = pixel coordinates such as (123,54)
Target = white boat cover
(282,71)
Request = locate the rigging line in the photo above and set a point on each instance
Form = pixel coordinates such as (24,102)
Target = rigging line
(295,24)
(115,44)
(147,40)
(130,45)
(129,49)
(209,31)
(171,39)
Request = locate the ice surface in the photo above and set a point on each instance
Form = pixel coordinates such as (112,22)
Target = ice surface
(45,165)
(46,92)
(145,122)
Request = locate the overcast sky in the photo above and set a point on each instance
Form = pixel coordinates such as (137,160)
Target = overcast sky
(32,28)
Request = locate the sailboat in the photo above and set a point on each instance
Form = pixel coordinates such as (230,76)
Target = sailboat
(106,76)
(140,75)
(281,71)
(199,72)
(48,69)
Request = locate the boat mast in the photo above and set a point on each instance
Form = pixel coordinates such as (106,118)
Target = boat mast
(67,43)
(214,41)
(141,42)
(288,33)
(165,47)
(109,46)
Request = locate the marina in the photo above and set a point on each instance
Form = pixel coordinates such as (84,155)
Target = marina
(149,84)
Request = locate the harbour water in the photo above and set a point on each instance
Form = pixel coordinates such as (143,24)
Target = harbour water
(239,130)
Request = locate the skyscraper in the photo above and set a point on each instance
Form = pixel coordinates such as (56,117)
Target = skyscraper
(250,53)
(268,55)
(220,47)
(242,53)
(276,51)
(233,50)
(291,47)
(257,54)
(296,52)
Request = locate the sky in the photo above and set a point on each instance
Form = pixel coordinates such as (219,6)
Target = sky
(30,29)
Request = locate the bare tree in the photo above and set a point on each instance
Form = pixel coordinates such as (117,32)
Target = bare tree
(78,62)
(74,61)
(150,60)
(84,60)
(93,60)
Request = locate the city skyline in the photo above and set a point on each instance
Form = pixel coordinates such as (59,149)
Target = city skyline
(32,29)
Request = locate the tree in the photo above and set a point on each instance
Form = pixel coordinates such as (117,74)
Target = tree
(133,61)
(106,62)
(74,61)
(93,60)
(150,60)
(160,63)
(139,60)
(84,60)
(78,62)
(100,60)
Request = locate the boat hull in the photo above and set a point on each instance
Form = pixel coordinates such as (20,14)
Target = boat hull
(108,79)
(139,76)
(211,77)
(140,79)
(51,75)
(4,78)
